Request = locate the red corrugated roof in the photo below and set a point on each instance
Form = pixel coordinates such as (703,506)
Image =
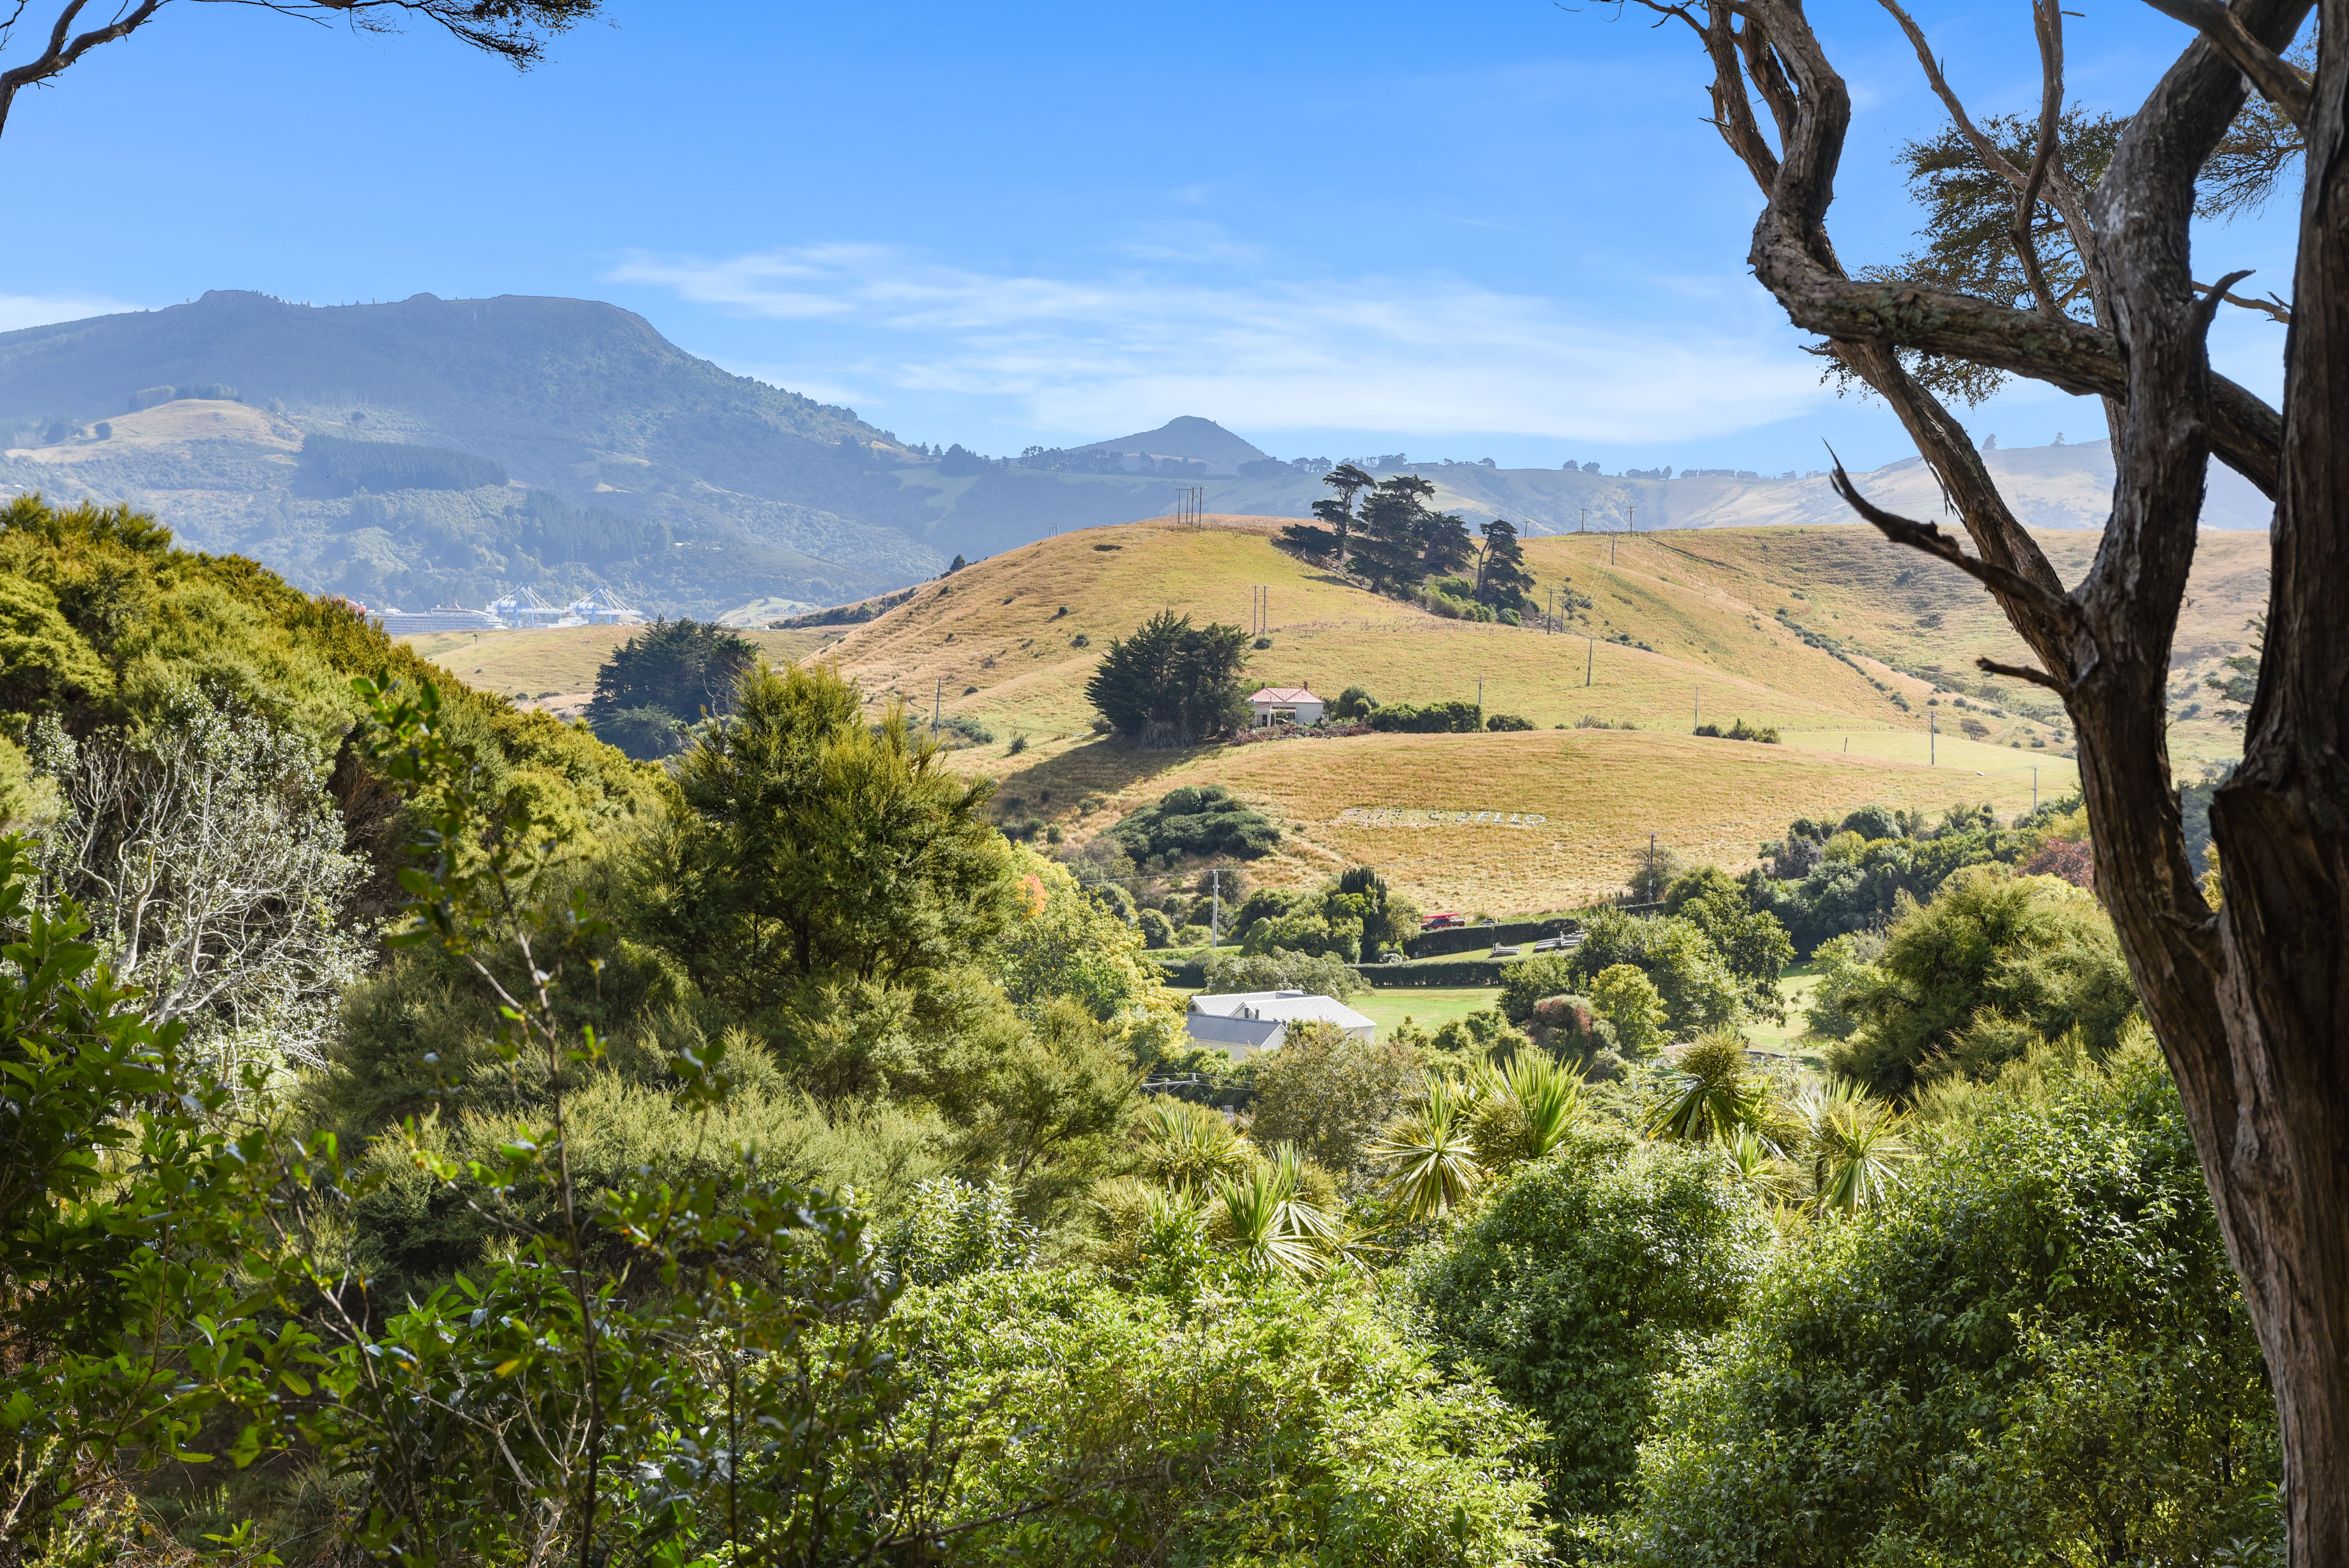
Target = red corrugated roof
(1284,693)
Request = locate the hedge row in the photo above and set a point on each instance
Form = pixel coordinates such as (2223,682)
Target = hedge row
(1481,938)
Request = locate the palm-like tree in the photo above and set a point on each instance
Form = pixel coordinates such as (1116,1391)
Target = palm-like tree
(1187,1145)
(1272,1228)
(1858,1145)
(1433,1162)
(1524,1109)
(1712,1094)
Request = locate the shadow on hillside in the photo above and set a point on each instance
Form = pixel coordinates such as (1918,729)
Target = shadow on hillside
(1052,786)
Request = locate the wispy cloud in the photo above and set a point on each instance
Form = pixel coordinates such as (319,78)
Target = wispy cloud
(19,311)
(1132,347)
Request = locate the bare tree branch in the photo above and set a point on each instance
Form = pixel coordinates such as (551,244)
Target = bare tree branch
(2272,306)
(62,53)
(2267,70)
(515,31)
(2021,672)
(2062,615)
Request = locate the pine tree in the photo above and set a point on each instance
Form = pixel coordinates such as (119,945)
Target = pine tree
(1501,575)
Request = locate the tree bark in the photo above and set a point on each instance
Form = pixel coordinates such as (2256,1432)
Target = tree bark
(2251,1002)
(2274,1133)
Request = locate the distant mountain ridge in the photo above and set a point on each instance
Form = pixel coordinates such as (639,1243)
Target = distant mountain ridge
(635,465)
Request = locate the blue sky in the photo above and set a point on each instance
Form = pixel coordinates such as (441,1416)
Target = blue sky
(1497,228)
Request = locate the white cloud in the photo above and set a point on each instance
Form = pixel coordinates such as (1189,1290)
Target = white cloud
(1131,348)
(19,311)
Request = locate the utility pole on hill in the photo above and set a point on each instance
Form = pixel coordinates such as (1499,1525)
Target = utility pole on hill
(938,705)
(1589,659)
(1216,910)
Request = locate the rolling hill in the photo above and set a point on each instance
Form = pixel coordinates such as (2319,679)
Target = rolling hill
(628,462)
(1844,642)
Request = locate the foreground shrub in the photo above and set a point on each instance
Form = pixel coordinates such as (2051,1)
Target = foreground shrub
(1279,1425)
(2036,1353)
(1581,1282)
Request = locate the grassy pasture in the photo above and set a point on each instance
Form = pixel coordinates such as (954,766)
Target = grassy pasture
(557,662)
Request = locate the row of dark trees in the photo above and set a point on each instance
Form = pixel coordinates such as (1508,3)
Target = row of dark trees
(1397,543)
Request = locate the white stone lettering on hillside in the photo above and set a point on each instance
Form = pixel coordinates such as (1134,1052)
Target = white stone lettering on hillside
(1416,817)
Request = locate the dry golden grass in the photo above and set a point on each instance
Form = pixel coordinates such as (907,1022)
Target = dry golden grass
(993,640)
(990,640)
(1707,602)
(1599,794)
(556,665)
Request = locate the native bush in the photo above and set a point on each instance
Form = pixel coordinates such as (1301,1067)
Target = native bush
(1202,821)
(339,467)
(2036,1352)
(1585,1277)
(1966,982)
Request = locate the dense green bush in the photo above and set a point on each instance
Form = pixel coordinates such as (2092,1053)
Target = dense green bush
(1971,980)
(2036,1354)
(1505,721)
(1276,1427)
(1699,990)
(339,467)
(1202,821)
(1328,1093)
(1585,1277)
(663,678)
(1428,719)
(1171,683)
(1282,969)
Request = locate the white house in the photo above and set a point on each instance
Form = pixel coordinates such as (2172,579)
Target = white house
(1242,1023)
(1295,703)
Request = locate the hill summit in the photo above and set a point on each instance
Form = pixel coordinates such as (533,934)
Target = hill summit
(1187,436)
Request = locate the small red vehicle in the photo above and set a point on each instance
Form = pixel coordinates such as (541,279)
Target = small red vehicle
(1442,922)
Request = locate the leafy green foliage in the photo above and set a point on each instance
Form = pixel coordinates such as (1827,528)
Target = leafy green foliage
(143,624)
(1284,1425)
(1826,878)
(665,678)
(1968,982)
(1197,821)
(1399,543)
(1281,969)
(339,467)
(1172,684)
(1428,719)
(1698,987)
(1579,1281)
(1501,579)
(1740,730)
(2036,1354)
(1328,1093)
(134,1219)
(1628,1003)
(801,848)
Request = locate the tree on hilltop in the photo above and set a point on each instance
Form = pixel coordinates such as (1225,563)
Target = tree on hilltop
(1501,575)
(2248,998)
(1337,511)
(513,30)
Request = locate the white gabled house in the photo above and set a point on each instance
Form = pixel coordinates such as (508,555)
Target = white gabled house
(1294,704)
(1242,1023)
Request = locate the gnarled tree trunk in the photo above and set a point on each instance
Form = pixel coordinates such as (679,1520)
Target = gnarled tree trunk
(2251,1001)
